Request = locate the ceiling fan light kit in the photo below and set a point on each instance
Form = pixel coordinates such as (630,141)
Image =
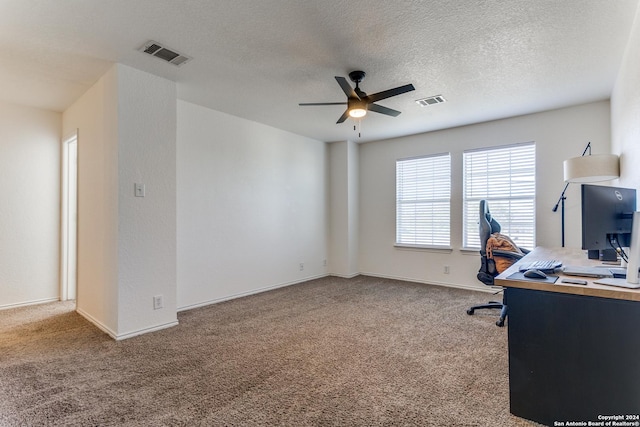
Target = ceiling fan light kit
(357,112)
(358,102)
(357,108)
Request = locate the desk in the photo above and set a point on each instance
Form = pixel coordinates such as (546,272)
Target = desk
(574,350)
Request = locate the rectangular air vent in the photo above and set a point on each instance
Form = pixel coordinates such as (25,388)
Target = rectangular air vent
(432,100)
(161,52)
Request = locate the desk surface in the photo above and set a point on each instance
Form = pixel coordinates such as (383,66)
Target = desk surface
(568,256)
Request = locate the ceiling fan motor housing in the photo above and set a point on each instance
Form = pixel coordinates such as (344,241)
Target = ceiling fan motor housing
(357,76)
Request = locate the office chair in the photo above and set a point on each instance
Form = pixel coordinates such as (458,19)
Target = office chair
(487,226)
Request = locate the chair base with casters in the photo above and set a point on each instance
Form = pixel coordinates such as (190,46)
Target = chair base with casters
(492,304)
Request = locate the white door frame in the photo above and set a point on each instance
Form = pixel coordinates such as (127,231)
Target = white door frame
(69,217)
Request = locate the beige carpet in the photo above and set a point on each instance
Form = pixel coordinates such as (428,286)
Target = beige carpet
(329,352)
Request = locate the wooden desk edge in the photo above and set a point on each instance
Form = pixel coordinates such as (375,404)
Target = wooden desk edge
(573,257)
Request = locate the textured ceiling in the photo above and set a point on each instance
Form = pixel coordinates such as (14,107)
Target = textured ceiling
(258,59)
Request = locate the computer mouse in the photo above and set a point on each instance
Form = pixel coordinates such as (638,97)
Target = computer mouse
(535,274)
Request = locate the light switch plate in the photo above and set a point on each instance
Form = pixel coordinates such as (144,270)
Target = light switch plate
(139,190)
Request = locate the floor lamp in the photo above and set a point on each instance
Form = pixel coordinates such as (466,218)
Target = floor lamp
(585,169)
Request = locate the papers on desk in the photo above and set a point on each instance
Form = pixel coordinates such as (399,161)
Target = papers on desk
(587,271)
(609,276)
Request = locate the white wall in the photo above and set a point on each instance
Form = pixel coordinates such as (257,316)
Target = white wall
(146,225)
(126,246)
(251,206)
(29,205)
(95,115)
(558,134)
(625,111)
(343,208)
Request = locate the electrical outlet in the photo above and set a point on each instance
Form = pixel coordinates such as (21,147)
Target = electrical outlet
(157,302)
(301,266)
(324,263)
(446,269)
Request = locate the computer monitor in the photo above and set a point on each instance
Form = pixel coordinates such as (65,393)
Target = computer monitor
(607,216)
(610,220)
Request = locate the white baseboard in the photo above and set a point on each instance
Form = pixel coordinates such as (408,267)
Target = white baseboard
(28,303)
(97,323)
(119,337)
(485,289)
(345,276)
(247,293)
(146,330)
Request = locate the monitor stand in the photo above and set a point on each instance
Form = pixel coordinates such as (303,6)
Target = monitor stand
(634,260)
(622,283)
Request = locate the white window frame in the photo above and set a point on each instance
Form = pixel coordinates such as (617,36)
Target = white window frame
(423,202)
(505,176)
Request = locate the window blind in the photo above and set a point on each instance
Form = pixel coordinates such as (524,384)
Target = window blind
(505,177)
(423,201)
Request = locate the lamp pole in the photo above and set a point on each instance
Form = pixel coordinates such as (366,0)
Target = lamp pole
(563,197)
(555,209)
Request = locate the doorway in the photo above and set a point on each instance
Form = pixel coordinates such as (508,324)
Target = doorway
(69,218)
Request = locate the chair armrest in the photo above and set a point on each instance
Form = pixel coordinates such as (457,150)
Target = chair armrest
(507,254)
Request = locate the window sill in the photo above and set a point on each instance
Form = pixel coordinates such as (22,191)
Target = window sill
(470,251)
(439,249)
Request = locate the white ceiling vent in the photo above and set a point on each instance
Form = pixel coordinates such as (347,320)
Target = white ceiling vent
(432,100)
(169,55)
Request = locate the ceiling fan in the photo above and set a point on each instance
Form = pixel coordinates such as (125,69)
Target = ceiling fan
(359,102)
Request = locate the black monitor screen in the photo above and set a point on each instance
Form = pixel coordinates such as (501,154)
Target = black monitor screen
(606,213)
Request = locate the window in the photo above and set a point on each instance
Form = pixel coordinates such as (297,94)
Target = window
(423,194)
(505,177)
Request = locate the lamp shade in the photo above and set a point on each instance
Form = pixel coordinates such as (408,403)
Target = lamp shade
(591,168)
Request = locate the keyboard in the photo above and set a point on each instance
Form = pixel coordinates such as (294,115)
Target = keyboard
(546,266)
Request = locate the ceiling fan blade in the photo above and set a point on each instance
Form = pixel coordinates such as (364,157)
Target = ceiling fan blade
(322,103)
(389,93)
(383,110)
(344,116)
(346,87)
